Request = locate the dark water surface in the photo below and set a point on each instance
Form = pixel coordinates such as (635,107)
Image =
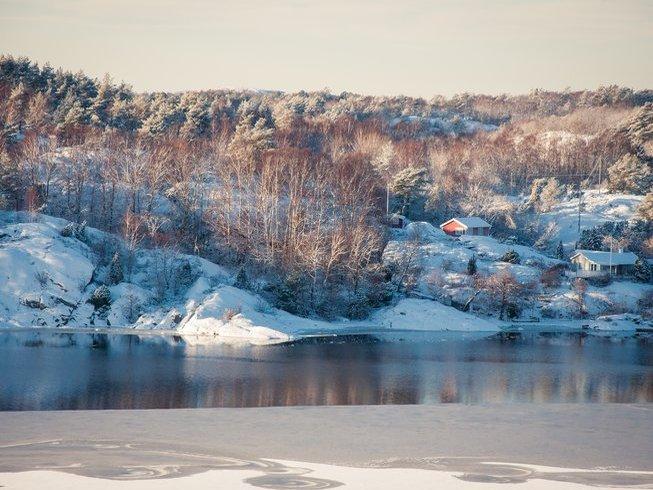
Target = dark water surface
(44,370)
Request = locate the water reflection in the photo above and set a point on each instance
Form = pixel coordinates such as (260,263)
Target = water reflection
(41,370)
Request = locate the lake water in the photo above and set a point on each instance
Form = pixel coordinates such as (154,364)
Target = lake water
(46,370)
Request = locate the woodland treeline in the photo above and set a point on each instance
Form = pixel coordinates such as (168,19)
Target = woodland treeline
(292,188)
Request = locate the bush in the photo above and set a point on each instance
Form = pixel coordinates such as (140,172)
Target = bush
(101,297)
(74,230)
(552,277)
(471,265)
(513,311)
(511,257)
(229,313)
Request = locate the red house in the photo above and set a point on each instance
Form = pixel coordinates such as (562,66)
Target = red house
(471,225)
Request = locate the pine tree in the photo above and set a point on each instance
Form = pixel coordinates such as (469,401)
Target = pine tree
(408,186)
(242,281)
(471,265)
(645,209)
(116,274)
(560,251)
(642,271)
(550,195)
(101,297)
(630,174)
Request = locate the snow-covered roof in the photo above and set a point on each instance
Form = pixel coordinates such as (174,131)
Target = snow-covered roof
(469,222)
(603,258)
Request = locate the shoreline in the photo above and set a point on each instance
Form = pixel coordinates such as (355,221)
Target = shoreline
(588,436)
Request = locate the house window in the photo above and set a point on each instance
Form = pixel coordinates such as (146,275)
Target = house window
(592,267)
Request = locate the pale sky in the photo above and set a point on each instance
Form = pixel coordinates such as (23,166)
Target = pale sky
(413,47)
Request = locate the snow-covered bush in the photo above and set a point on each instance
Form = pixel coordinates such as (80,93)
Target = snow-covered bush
(101,297)
(511,257)
(75,230)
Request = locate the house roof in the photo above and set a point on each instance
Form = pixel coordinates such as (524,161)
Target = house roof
(469,222)
(603,258)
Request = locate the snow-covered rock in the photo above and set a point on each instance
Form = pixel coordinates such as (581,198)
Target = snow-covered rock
(42,274)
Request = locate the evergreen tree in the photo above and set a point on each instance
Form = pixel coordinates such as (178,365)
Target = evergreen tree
(550,195)
(115,275)
(101,297)
(242,281)
(645,209)
(471,265)
(408,187)
(630,174)
(642,270)
(560,251)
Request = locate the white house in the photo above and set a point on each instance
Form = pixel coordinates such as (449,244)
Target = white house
(590,263)
(471,225)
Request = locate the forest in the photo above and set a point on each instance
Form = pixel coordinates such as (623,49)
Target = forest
(294,190)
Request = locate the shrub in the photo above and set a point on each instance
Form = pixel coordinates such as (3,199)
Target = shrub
(471,265)
(101,297)
(74,230)
(115,275)
(513,311)
(552,277)
(229,313)
(511,257)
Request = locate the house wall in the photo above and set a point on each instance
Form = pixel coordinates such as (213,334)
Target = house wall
(453,228)
(585,265)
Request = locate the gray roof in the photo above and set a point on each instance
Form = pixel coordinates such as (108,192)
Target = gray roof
(470,222)
(603,258)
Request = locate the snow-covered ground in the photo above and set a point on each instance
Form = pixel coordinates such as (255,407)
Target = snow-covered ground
(440,265)
(597,207)
(47,280)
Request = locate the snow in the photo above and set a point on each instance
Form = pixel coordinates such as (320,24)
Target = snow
(42,275)
(598,207)
(421,314)
(487,247)
(46,280)
(295,474)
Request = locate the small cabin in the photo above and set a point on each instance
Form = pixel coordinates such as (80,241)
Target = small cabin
(397,221)
(592,263)
(472,225)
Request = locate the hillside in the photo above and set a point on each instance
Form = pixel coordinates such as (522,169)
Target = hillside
(51,280)
(48,280)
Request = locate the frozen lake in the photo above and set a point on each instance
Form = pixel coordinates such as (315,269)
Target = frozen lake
(49,370)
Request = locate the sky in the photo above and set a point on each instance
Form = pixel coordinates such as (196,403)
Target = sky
(379,47)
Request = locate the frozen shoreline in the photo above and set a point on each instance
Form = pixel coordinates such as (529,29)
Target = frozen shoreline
(619,436)
(538,446)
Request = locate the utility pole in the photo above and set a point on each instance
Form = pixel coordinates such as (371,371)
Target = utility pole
(387,198)
(580,198)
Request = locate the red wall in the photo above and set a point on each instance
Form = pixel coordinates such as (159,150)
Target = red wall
(450,228)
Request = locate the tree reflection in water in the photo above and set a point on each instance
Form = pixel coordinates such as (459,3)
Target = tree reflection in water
(52,370)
